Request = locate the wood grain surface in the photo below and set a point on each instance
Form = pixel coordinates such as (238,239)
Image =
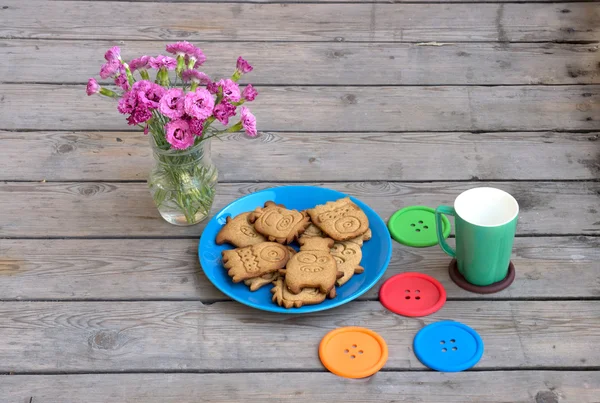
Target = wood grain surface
(127,210)
(283,156)
(226,336)
(527,22)
(546,267)
(482,387)
(66,107)
(334,63)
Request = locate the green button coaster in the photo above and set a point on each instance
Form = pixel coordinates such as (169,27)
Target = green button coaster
(415,226)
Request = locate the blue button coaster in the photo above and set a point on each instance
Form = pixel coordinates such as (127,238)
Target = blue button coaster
(448,346)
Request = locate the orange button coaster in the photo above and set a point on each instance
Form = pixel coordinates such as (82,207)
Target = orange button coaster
(353,352)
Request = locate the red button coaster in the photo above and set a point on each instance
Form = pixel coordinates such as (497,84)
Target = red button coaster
(412,294)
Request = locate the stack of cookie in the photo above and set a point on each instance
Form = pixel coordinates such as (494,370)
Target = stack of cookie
(330,238)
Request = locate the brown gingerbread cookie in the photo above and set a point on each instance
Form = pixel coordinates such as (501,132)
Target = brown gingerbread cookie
(312,267)
(257,282)
(255,261)
(239,232)
(278,223)
(340,220)
(309,296)
(312,231)
(348,255)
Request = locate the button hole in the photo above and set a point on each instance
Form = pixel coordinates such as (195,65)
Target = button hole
(407,297)
(417,297)
(360,351)
(425,226)
(418,230)
(353,356)
(413,225)
(444,350)
(442,342)
(346,351)
(417,291)
(354,346)
(452,341)
(407,291)
(420,222)
(454,348)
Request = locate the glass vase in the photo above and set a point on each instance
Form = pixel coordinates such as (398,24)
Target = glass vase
(183,182)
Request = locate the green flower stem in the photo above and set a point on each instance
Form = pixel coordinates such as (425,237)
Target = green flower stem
(128,73)
(144,74)
(180,64)
(108,93)
(235,128)
(236,76)
(194,86)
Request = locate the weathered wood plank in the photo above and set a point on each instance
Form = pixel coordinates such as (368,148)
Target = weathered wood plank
(482,387)
(157,336)
(55,107)
(109,156)
(563,267)
(345,1)
(126,209)
(302,22)
(330,63)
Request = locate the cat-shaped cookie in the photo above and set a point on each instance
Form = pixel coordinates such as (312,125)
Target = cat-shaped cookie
(255,261)
(340,220)
(312,267)
(239,232)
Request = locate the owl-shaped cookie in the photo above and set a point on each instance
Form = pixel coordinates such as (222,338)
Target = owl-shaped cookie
(348,255)
(340,220)
(254,261)
(278,223)
(312,267)
(239,232)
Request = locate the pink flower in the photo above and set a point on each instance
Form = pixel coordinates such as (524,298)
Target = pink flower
(113,53)
(127,103)
(139,102)
(224,111)
(179,134)
(199,104)
(243,66)
(195,76)
(213,88)
(161,61)
(146,93)
(141,63)
(249,122)
(138,116)
(197,56)
(92,87)
(121,79)
(249,93)
(231,90)
(171,104)
(196,126)
(181,48)
(110,68)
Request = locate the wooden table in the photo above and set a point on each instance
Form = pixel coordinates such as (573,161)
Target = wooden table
(397,103)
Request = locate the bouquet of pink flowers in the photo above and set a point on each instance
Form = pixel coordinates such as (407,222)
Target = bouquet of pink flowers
(178,108)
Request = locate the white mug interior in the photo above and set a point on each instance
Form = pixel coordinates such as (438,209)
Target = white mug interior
(486,206)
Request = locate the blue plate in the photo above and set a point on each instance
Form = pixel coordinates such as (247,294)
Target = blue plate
(376,252)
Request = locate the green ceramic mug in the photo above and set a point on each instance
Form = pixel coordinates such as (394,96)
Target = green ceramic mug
(485,225)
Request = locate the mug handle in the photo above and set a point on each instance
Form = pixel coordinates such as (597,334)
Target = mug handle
(439,226)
